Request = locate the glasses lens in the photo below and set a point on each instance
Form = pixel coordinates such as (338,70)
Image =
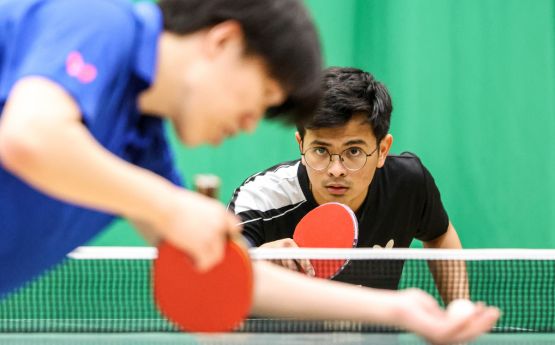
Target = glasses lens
(317,158)
(353,158)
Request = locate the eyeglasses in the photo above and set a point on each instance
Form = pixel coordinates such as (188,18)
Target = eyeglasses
(353,158)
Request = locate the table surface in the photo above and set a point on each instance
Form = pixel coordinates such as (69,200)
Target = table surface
(255,338)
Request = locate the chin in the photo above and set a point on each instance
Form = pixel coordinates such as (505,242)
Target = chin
(215,142)
(197,140)
(335,198)
(189,140)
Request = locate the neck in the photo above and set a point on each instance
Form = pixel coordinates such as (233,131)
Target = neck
(173,56)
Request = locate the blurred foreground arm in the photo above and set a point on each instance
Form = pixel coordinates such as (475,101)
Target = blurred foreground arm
(282,293)
(44,142)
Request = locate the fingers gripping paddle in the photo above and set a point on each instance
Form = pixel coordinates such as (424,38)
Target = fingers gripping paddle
(331,225)
(212,301)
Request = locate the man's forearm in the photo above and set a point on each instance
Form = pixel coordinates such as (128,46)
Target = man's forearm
(450,276)
(451,279)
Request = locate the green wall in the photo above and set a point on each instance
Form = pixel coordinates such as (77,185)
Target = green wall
(473,87)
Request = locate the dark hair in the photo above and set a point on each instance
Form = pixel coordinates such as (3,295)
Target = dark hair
(280,31)
(350,91)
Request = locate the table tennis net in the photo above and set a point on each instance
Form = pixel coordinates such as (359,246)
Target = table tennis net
(108,289)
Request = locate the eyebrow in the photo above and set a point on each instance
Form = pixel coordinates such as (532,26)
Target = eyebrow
(348,143)
(355,142)
(320,143)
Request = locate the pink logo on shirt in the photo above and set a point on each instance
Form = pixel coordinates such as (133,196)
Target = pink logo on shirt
(76,67)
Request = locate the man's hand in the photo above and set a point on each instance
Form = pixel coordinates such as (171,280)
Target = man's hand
(300,265)
(420,313)
(198,225)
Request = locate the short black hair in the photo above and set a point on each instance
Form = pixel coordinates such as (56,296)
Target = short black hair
(349,91)
(280,31)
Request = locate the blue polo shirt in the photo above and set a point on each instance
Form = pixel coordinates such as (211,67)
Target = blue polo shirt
(103,53)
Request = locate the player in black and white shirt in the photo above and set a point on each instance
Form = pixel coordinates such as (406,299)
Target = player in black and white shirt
(344,158)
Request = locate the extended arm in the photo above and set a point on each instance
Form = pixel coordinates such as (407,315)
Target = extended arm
(282,293)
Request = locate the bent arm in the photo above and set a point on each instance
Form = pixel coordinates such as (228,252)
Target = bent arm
(450,276)
(43,141)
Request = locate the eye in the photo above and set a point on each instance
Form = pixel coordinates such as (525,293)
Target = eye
(320,151)
(353,152)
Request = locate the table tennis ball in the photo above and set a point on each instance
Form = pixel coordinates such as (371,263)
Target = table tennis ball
(460,308)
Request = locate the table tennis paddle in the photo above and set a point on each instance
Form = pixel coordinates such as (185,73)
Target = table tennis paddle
(331,225)
(213,301)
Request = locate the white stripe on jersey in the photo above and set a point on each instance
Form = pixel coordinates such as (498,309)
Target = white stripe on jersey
(270,190)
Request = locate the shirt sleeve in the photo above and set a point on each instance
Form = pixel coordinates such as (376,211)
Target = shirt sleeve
(434,220)
(251,219)
(253,228)
(82,46)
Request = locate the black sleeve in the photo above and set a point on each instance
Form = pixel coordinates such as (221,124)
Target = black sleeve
(434,220)
(253,227)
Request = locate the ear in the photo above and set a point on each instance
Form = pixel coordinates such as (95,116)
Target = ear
(383,151)
(300,143)
(223,37)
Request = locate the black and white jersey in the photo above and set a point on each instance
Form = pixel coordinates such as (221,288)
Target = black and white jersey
(403,203)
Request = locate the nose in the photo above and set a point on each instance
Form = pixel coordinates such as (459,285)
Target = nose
(336,167)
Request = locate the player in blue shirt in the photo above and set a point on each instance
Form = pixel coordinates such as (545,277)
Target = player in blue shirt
(75,78)
(75,149)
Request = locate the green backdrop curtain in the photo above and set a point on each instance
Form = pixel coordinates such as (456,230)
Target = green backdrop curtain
(473,86)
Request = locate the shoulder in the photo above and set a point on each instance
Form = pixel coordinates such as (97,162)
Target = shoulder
(273,188)
(406,162)
(53,14)
(114,17)
(98,8)
(406,168)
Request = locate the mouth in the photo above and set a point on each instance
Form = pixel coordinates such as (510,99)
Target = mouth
(216,141)
(224,134)
(337,189)
(229,133)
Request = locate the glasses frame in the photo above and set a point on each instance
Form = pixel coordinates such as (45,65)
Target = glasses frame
(341,159)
